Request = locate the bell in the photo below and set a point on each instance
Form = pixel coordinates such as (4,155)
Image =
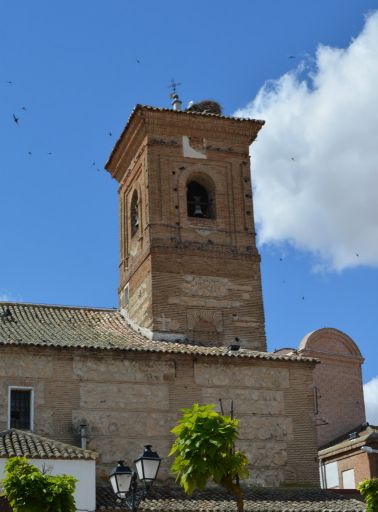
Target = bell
(197,207)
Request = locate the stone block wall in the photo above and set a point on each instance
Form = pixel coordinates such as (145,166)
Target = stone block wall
(128,399)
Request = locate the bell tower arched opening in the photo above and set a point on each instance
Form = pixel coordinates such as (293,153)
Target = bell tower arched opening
(200,198)
(134,213)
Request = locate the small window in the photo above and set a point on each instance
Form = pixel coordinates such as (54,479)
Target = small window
(349,480)
(199,201)
(134,213)
(332,475)
(21,408)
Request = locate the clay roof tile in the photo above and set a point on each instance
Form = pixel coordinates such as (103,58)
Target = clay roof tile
(102,329)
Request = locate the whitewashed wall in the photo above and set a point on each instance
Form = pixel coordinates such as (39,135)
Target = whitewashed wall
(83,470)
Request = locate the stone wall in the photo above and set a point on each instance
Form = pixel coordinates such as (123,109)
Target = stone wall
(130,398)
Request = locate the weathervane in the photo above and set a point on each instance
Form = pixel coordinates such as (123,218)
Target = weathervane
(176,102)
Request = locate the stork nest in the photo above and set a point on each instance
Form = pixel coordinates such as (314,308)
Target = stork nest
(206,107)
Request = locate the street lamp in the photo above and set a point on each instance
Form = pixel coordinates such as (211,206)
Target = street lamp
(368,449)
(124,480)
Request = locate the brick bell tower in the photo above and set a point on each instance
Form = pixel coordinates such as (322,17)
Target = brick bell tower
(190,269)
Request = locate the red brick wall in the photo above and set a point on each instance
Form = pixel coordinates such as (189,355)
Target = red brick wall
(373,460)
(365,465)
(202,282)
(359,461)
(338,379)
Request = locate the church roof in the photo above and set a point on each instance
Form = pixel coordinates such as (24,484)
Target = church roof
(106,329)
(256,499)
(19,443)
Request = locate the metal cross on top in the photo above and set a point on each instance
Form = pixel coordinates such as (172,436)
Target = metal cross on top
(173,85)
(176,102)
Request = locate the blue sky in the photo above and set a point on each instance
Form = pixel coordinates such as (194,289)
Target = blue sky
(78,68)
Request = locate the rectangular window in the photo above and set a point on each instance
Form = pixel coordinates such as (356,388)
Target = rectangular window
(349,481)
(21,408)
(332,475)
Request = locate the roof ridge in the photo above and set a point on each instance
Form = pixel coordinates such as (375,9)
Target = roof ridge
(193,112)
(56,306)
(32,324)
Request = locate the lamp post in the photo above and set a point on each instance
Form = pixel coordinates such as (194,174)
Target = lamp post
(124,480)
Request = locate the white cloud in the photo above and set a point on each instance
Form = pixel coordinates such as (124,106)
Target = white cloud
(371,401)
(326,199)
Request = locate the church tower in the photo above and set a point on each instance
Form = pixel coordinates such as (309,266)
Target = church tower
(190,269)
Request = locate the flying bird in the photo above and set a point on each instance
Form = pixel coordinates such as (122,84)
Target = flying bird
(29,152)
(110,134)
(15,119)
(292,158)
(138,61)
(9,82)
(291,57)
(23,108)
(357,255)
(49,153)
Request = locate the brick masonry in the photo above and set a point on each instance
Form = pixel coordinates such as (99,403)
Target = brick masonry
(338,381)
(195,279)
(364,465)
(128,399)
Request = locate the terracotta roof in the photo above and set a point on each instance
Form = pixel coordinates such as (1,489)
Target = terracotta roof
(19,443)
(106,329)
(258,499)
(139,106)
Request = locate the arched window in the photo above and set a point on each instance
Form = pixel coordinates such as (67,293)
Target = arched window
(199,201)
(134,213)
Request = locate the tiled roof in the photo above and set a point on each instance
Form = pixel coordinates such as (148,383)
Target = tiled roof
(140,107)
(194,113)
(18,443)
(256,499)
(63,326)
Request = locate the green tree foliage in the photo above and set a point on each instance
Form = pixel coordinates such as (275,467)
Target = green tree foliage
(29,490)
(369,490)
(204,449)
